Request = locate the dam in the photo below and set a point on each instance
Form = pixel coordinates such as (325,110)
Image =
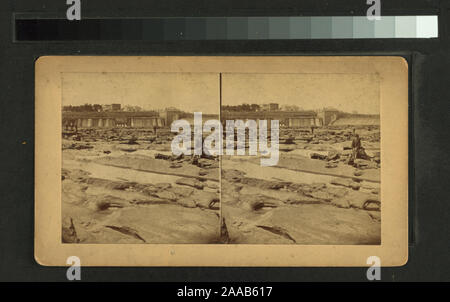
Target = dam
(163,119)
(121,119)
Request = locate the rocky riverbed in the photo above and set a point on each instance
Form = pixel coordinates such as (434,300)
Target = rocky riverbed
(125,186)
(312,196)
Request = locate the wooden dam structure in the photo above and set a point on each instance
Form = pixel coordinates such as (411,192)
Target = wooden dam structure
(120,119)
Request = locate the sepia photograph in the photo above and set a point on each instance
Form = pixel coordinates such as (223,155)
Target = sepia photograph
(325,186)
(121,183)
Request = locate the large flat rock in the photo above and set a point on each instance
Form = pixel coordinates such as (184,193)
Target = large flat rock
(302,224)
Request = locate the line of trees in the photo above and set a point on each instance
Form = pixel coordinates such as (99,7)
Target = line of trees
(242,107)
(84,108)
(99,108)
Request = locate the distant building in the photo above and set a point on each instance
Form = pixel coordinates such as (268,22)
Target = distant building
(113,119)
(169,115)
(291,108)
(111,107)
(328,115)
(270,107)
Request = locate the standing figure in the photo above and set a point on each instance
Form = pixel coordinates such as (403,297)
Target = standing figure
(356,149)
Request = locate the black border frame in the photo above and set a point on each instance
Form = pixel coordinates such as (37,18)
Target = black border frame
(429,70)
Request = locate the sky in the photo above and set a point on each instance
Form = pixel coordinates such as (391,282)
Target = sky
(186,91)
(346,92)
(200,91)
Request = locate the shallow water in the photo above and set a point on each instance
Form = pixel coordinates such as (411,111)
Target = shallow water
(258,171)
(307,153)
(121,174)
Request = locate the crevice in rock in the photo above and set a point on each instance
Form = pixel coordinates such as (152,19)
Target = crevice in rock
(104,205)
(127,231)
(69,234)
(278,231)
(224,235)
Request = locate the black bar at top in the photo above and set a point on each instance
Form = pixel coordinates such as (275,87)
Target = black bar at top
(86,29)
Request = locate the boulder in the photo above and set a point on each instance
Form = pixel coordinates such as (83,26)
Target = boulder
(205,200)
(361,200)
(232,175)
(330,165)
(364,164)
(162,156)
(345,182)
(182,191)
(333,155)
(257,202)
(166,195)
(358,173)
(191,182)
(317,156)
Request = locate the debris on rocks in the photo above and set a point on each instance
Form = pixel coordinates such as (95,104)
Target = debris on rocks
(128,150)
(69,233)
(364,164)
(77,146)
(318,156)
(358,173)
(345,182)
(191,182)
(331,165)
